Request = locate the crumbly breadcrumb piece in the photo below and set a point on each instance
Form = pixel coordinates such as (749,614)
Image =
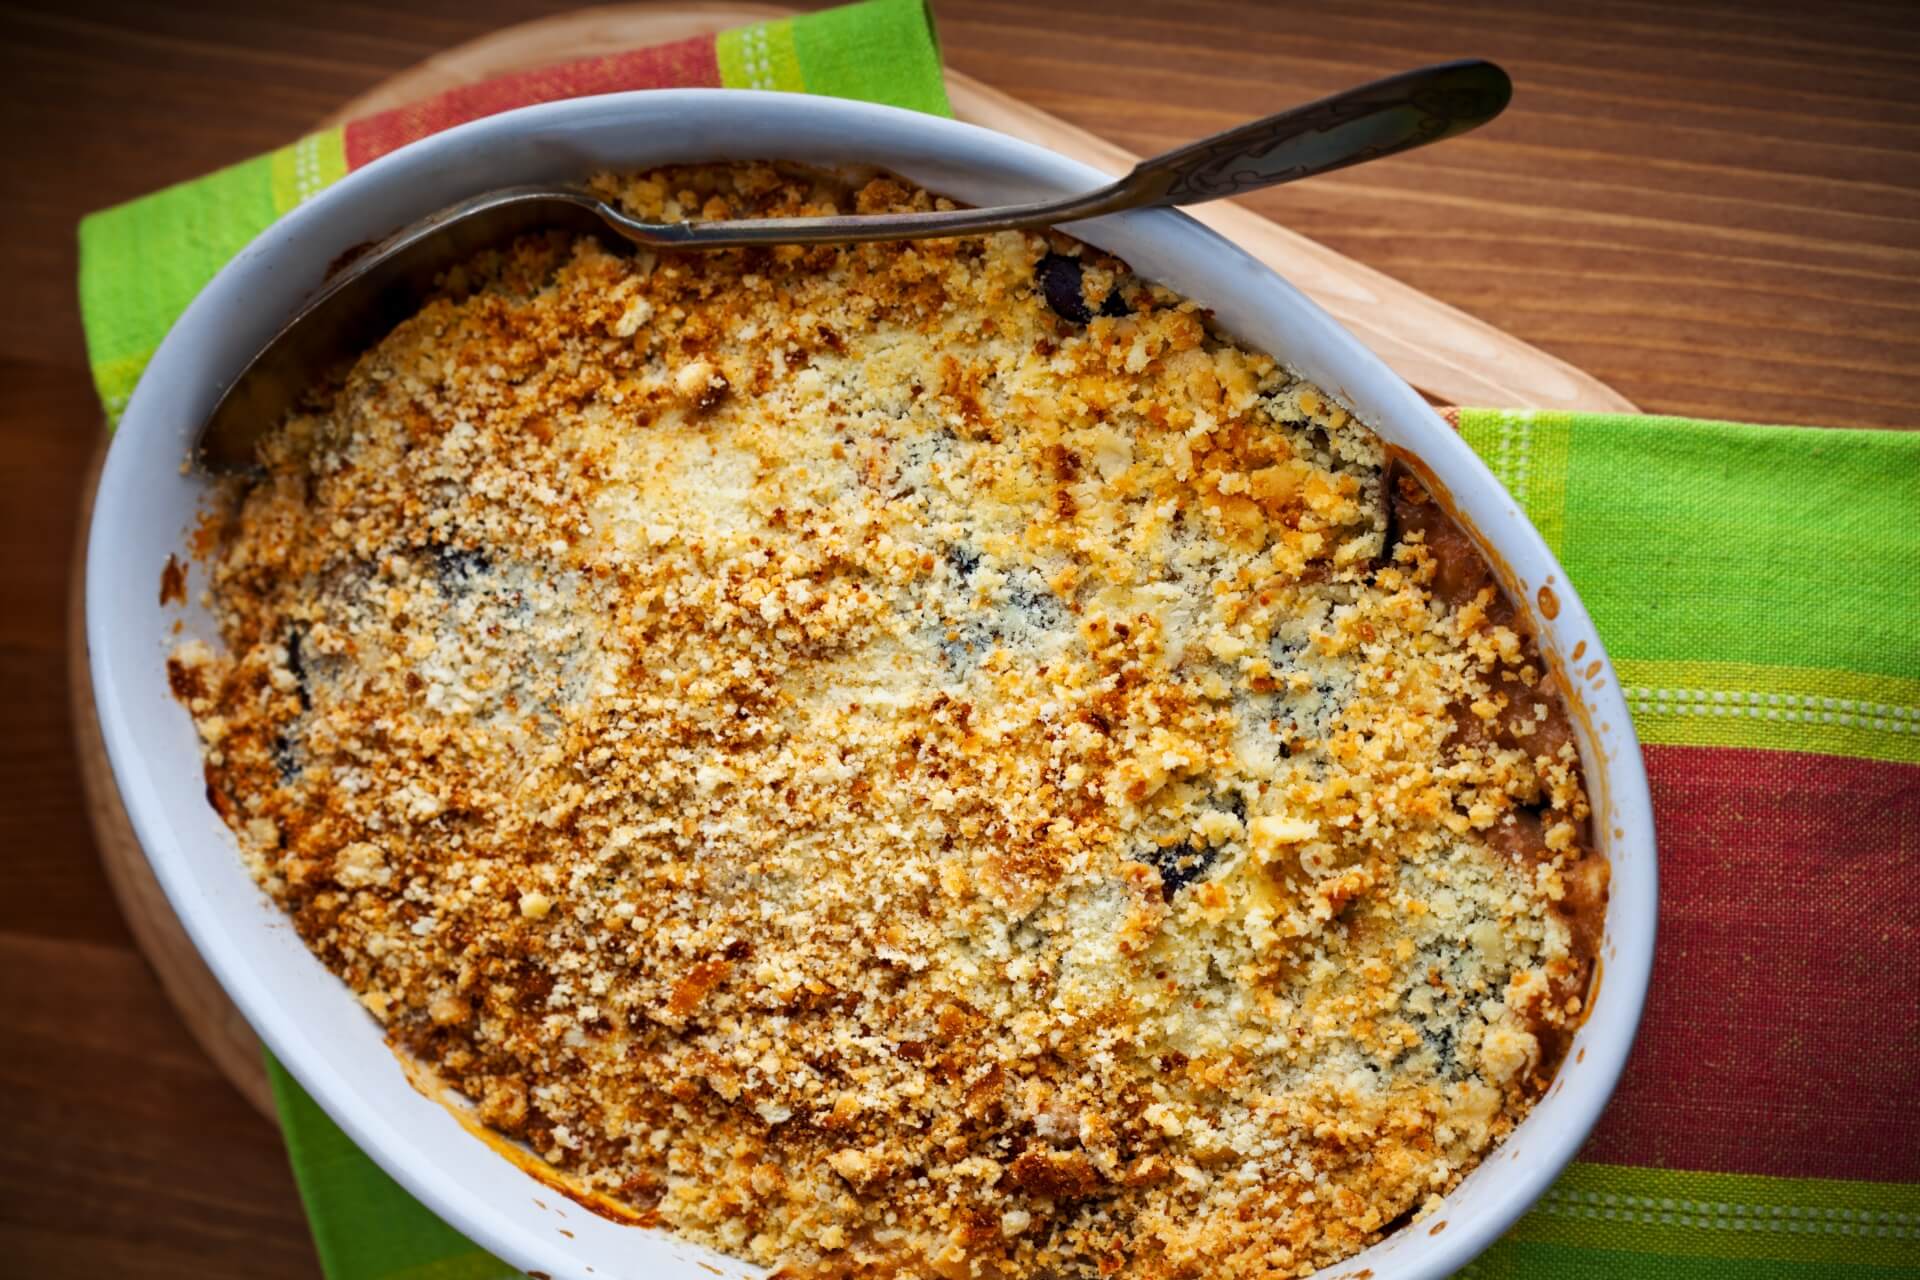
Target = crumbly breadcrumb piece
(901,759)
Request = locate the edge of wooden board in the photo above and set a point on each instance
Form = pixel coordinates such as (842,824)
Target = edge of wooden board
(196,995)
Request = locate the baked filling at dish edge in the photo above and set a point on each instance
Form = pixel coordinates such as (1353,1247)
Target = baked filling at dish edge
(901,759)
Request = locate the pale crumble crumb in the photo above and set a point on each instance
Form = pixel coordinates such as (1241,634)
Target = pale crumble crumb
(902,759)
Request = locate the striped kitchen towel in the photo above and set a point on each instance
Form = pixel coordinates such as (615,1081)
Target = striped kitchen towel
(1757,589)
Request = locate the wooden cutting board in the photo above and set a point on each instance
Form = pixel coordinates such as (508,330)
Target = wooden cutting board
(1447,354)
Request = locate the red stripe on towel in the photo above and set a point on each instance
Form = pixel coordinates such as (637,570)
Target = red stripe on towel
(685,64)
(1782,1033)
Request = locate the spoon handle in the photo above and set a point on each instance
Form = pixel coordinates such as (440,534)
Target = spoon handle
(1365,123)
(1377,119)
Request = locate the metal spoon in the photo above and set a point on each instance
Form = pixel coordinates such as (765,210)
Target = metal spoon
(387,282)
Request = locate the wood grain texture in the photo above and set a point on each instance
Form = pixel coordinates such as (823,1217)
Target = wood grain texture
(1715,208)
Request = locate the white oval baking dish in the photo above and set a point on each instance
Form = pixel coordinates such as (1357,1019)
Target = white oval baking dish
(147,503)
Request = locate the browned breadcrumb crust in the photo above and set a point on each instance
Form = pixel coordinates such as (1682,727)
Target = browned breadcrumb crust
(902,759)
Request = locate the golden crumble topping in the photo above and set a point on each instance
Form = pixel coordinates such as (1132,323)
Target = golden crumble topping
(907,759)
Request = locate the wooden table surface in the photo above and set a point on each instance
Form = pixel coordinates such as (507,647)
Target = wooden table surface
(1715,208)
